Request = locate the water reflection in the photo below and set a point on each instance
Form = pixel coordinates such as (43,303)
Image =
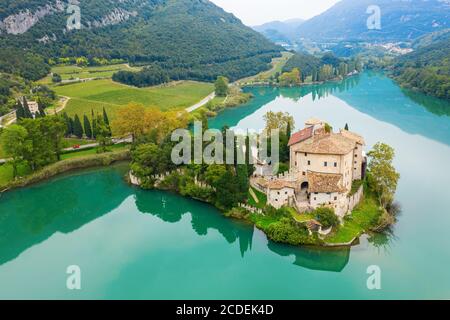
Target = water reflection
(31,216)
(322,259)
(371,93)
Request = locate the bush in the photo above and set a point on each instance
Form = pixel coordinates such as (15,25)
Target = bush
(326,217)
(287,231)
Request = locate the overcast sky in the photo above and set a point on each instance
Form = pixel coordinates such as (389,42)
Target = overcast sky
(255,12)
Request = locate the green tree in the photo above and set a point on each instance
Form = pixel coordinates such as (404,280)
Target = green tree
(221,86)
(55,128)
(15,143)
(292,78)
(26,109)
(346,127)
(103,136)
(20,112)
(41,111)
(383,178)
(243,182)
(106,120)
(94,124)
(326,217)
(279,120)
(56,78)
(77,127)
(87,127)
(42,150)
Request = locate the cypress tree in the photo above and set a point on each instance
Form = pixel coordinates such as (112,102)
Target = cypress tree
(77,127)
(26,109)
(94,124)
(288,130)
(87,127)
(69,125)
(20,113)
(41,109)
(346,126)
(106,120)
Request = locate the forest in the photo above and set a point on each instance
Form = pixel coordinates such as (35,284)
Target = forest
(189,39)
(427,69)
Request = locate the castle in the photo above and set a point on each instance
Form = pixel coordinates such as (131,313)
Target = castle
(323,168)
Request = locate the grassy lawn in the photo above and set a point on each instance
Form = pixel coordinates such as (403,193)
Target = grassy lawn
(6,172)
(362,218)
(277,66)
(300,217)
(70,142)
(82,153)
(262,198)
(74,72)
(111,95)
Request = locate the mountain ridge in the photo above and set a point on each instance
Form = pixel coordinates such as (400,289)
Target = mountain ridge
(175,34)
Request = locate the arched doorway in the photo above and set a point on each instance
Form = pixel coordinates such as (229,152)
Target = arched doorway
(304,186)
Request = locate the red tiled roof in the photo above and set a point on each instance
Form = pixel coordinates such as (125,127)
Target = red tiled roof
(300,136)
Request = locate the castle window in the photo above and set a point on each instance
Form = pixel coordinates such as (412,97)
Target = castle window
(325,164)
(335,198)
(286,192)
(356,156)
(309,162)
(304,173)
(315,198)
(306,154)
(335,164)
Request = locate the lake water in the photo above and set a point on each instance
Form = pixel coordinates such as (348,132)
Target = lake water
(136,244)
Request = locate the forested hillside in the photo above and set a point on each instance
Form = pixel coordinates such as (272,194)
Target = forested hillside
(191,39)
(400,20)
(427,69)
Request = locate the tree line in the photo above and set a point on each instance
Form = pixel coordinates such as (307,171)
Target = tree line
(90,128)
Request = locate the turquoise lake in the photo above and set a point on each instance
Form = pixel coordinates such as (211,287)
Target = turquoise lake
(136,244)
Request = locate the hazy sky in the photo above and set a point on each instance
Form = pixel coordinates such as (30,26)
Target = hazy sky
(254,12)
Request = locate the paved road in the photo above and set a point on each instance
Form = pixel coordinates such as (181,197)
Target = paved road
(201,103)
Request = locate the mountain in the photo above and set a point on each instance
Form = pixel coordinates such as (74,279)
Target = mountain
(427,69)
(184,35)
(279,31)
(401,20)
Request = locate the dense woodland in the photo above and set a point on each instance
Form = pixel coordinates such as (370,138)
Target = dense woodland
(189,39)
(427,69)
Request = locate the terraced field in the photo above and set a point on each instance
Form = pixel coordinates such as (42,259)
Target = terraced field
(94,95)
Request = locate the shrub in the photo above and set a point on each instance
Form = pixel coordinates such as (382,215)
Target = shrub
(286,231)
(326,217)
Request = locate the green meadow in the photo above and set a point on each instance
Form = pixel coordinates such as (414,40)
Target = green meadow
(72,72)
(94,95)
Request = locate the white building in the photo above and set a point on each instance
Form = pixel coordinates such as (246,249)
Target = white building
(323,167)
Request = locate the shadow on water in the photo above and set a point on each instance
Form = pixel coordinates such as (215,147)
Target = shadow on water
(31,216)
